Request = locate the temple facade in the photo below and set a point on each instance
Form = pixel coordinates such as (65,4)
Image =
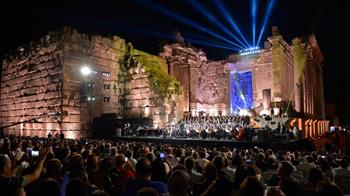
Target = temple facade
(280,78)
(44,78)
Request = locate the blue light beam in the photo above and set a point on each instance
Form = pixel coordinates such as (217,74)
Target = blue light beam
(254,11)
(268,11)
(202,10)
(186,21)
(230,20)
(187,38)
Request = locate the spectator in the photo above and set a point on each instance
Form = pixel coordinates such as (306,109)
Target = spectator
(342,176)
(143,179)
(196,177)
(76,187)
(288,184)
(11,185)
(48,187)
(251,186)
(180,183)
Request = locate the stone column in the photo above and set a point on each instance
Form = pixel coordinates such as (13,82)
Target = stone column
(266,98)
(298,97)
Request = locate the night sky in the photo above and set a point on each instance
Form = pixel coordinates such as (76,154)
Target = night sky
(136,22)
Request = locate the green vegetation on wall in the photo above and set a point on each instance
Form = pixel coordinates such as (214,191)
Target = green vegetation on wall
(155,67)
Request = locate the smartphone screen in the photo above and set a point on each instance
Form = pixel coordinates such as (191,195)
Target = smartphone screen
(162,156)
(35,153)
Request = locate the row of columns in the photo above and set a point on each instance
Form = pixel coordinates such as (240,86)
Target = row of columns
(311,127)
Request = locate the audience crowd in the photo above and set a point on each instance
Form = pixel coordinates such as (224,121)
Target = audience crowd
(63,167)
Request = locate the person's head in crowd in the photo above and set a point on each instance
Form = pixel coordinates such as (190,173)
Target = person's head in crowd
(147,191)
(85,154)
(160,170)
(76,165)
(285,169)
(150,156)
(309,159)
(315,176)
(188,153)
(144,168)
(5,164)
(344,164)
(92,162)
(114,151)
(76,187)
(178,152)
(325,165)
(210,172)
(120,160)
(180,183)
(189,163)
(54,169)
(273,191)
(251,186)
(48,187)
(106,164)
(202,154)
(237,161)
(128,154)
(146,150)
(219,162)
(195,155)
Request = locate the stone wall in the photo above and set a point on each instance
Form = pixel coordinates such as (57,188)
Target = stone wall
(87,97)
(31,86)
(46,77)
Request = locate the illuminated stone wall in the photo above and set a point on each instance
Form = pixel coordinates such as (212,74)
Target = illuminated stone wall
(31,85)
(46,77)
(87,97)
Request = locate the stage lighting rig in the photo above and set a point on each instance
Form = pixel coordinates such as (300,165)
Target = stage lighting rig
(250,51)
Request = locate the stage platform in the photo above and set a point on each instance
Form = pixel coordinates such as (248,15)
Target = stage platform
(303,144)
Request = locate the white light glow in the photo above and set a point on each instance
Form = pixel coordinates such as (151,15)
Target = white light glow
(248,51)
(85,71)
(243,112)
(264,112)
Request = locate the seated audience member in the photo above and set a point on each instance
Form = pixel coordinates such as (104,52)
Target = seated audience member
(180,184)
(76,187)
(48,187)
(251,186)
(288,184)
(143,179)
(342,176)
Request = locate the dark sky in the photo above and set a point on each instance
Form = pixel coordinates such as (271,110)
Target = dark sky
(328,19)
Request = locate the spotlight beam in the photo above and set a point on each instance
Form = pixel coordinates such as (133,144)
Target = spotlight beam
(190,39)
(201,9)
(186,21)
(254,11)
(230,20)
(266,17)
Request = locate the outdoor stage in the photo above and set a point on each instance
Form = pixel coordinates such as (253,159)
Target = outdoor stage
(302,144)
